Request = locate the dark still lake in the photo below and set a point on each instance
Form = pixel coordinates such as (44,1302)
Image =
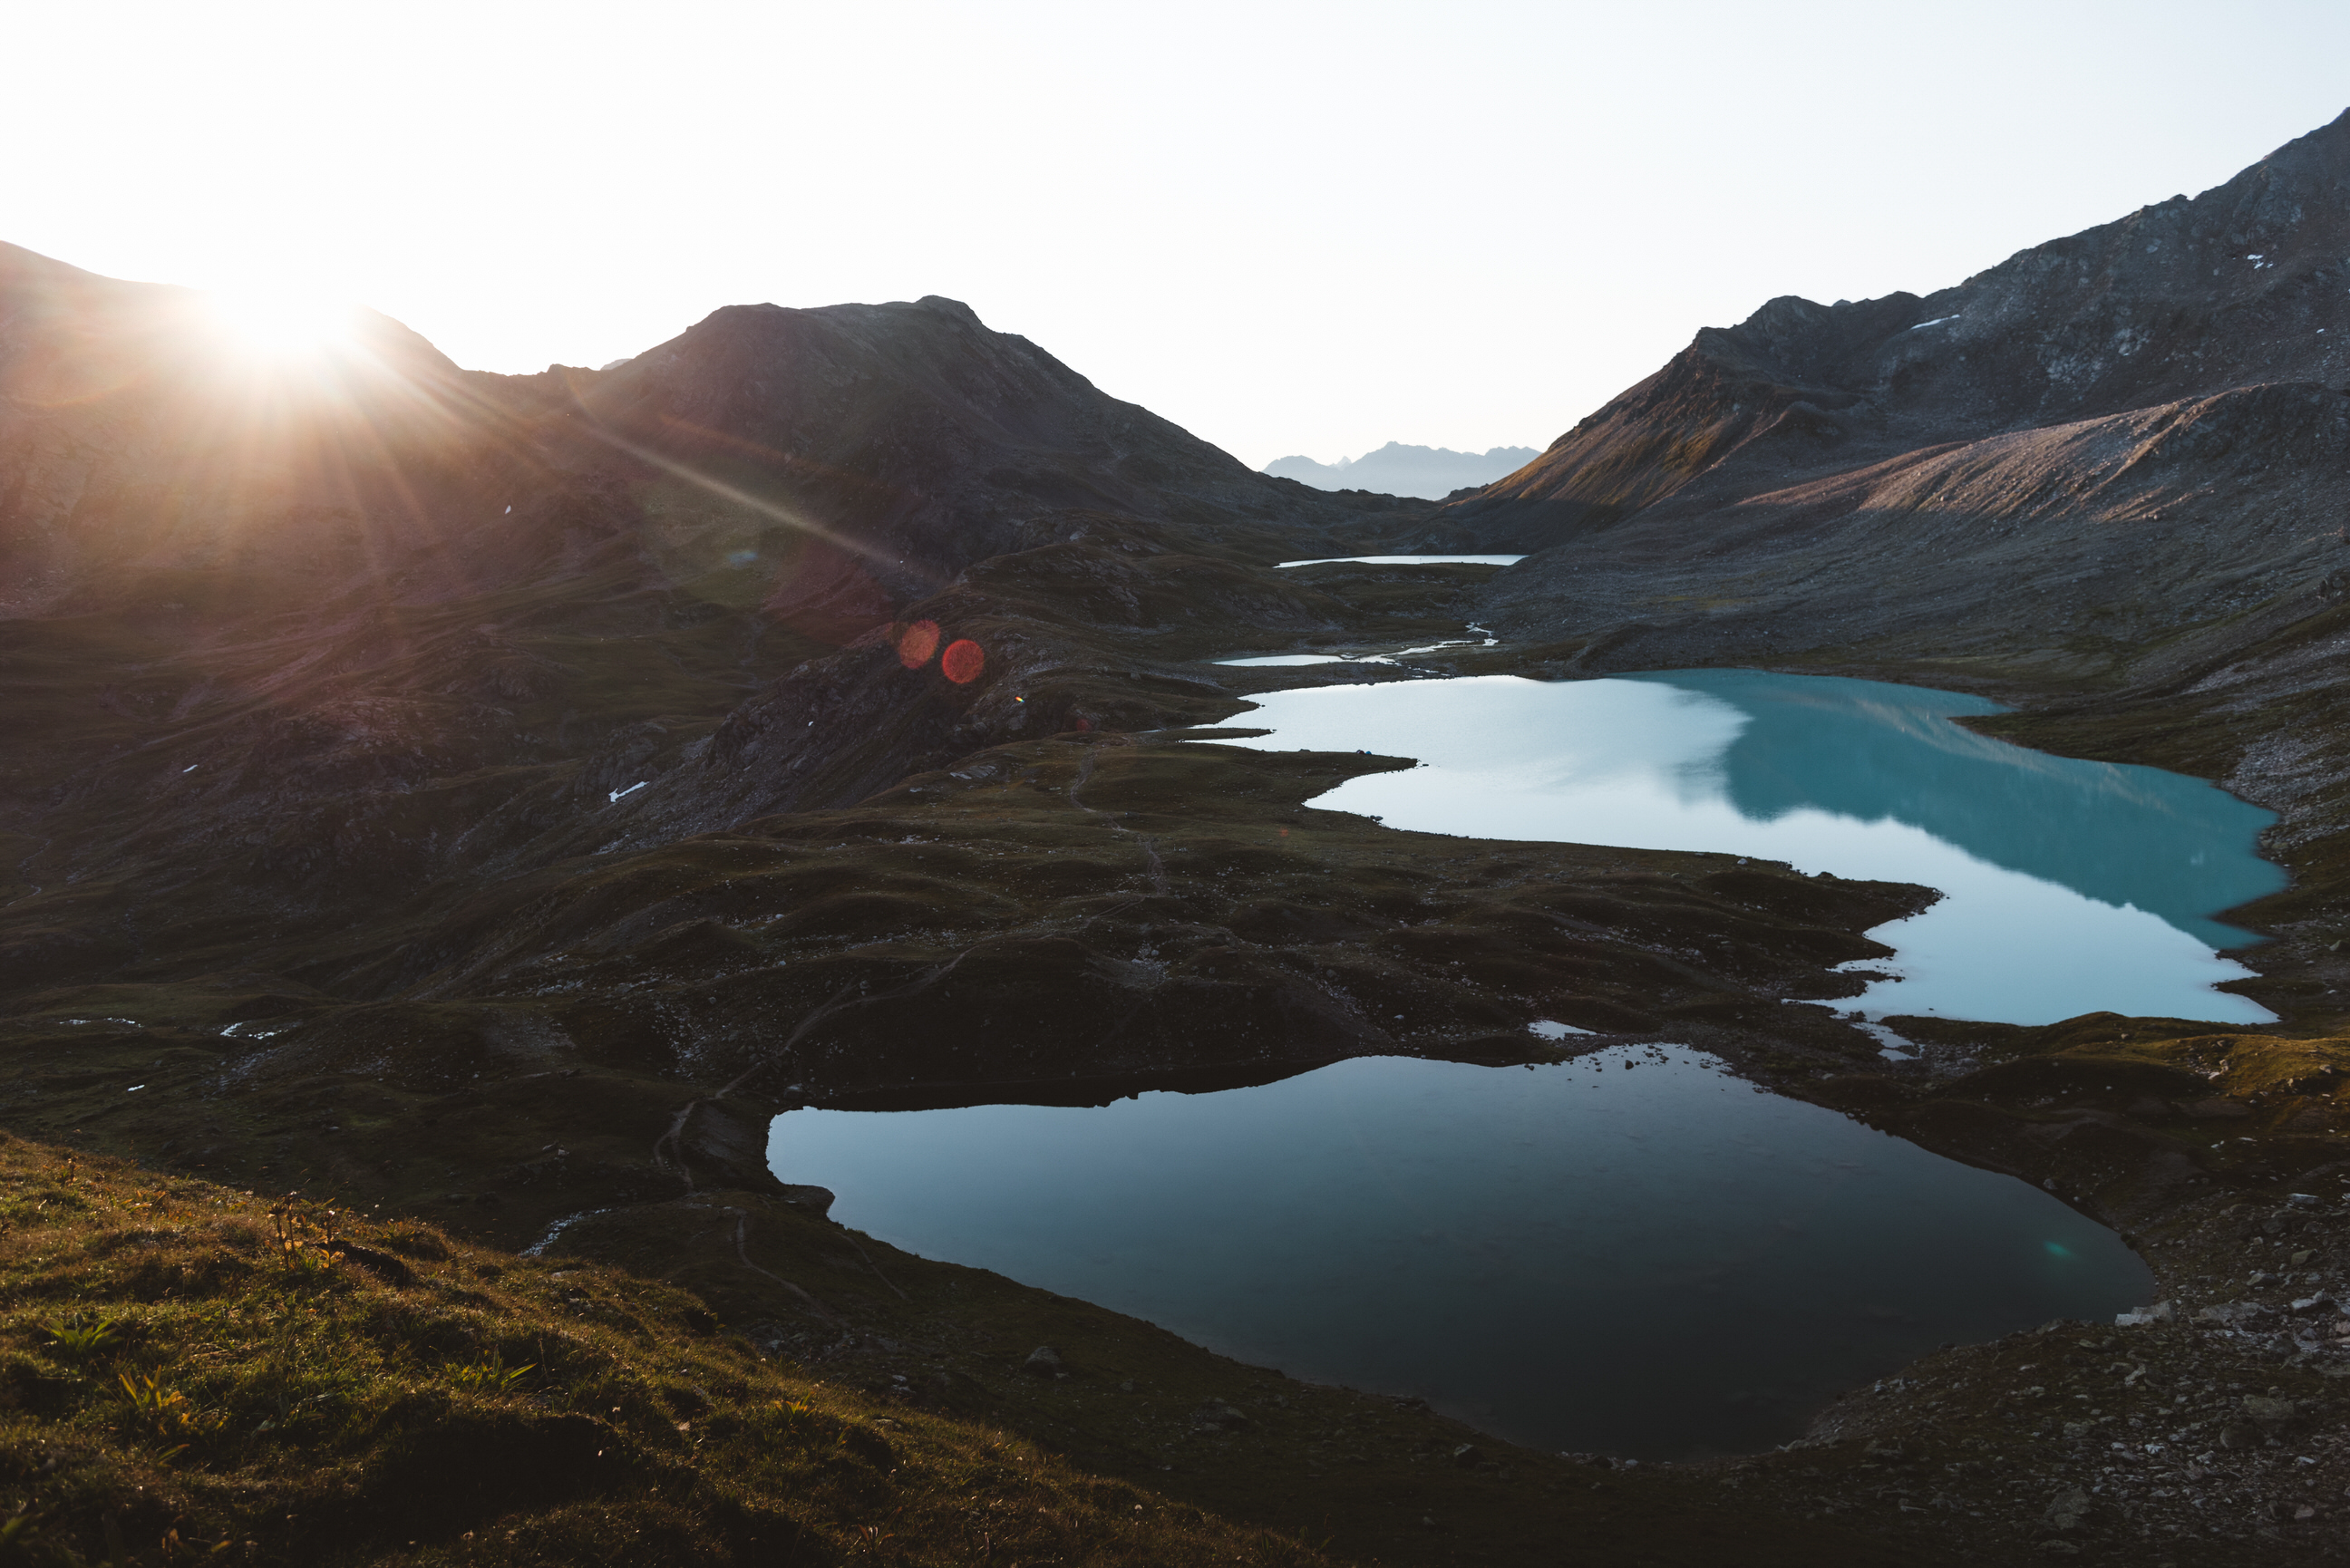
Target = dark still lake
(1633,1253)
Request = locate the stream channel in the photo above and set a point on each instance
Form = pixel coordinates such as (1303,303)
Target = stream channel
(1632,1251)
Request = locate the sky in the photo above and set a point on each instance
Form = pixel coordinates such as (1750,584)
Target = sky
(1300,228)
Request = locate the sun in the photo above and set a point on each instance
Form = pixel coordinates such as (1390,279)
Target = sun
(279,323)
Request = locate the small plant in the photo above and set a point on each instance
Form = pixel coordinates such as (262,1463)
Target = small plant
(302,1244)
(286,1230)
(162,1413)
(76,1338)
(796,1419)
(18,1531)
(869,1539)
(491,1375)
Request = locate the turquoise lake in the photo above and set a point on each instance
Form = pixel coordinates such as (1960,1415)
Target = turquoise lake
(2070,887)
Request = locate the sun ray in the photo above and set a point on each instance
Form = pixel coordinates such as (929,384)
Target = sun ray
(278,323)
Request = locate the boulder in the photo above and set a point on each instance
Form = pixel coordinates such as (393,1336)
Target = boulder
(2066,1510)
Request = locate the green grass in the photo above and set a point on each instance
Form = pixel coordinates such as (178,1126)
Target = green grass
(188,1374)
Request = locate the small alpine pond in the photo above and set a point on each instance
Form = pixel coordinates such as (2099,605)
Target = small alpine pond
(1632,1251)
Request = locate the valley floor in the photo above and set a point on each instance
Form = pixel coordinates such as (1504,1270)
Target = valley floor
(562,1075)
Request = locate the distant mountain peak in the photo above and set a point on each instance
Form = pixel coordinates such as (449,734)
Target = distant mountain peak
(1431,472)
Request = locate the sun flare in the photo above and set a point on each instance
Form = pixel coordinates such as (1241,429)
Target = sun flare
(280,323)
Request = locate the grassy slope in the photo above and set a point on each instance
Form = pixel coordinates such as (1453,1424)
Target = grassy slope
(249,1404)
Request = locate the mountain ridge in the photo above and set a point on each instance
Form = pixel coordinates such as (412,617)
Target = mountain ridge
(2084,465)
(2181,299)
(1431,474)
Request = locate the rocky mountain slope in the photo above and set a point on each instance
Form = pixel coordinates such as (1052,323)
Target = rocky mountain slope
(2107,448)
(2248,283)
(901,441)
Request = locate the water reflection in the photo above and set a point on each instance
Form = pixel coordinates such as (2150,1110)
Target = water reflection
(2072,886)
(2170,845)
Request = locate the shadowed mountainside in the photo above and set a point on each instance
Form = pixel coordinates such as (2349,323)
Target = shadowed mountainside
(896,442)
(341,626)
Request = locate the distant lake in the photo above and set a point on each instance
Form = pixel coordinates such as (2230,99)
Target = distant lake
(1633,1253)
(2072,886)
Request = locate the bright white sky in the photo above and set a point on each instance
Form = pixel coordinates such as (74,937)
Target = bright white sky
(1290,227)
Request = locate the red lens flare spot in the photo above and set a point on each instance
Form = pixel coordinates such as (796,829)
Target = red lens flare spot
(921,640)
(962,661)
